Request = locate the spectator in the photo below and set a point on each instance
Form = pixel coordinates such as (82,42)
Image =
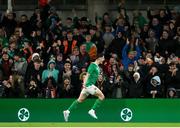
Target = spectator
(20,63)
(50,88)
(131,56)
(78,36)
(35,56)
(84,58)
(35,19)
(102,84)
(75,56)
(154,83)
(9,23)
(73,75)
(66,89)
(67,69)
(32,89)
(13,45)
(156,26)
(138,19)
(108,65)
(25,25)
(3,39)
(59,62)
(91,48)
(144,32)
(107,36)
(14,87)
(5,65)
(34,74)
(117,44)
(114,82)
(171,93)
(106,20)
(69,44)
(97,38)
(69,23)
(119,87)
(177,42)
(172,77)
(151,42)
(27,49)
(50,71)
(166,45)
(135,87)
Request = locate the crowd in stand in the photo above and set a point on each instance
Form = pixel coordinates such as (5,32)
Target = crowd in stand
(43,57)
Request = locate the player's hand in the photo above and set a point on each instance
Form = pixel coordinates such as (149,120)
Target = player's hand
(83,85)
(127,41)
(137,41)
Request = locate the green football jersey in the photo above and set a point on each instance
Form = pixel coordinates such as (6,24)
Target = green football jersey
(93,71)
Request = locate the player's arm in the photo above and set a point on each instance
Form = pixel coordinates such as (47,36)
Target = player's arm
(89,71)
(85,79)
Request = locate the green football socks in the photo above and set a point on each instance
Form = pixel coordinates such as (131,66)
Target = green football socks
(73,105)
(96,104)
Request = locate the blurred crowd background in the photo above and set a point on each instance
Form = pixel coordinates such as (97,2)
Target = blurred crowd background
(46,54)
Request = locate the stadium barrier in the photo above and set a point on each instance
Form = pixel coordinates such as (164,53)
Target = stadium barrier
(111,110)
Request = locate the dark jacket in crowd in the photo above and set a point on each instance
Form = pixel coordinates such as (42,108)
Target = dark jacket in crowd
(116,46)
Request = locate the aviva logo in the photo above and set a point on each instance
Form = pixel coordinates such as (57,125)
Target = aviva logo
(23,114)
(126,114)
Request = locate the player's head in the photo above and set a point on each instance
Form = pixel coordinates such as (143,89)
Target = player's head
(100,58)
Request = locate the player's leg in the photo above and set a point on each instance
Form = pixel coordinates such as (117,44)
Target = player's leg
(98,93)
(100,96)
(81,98)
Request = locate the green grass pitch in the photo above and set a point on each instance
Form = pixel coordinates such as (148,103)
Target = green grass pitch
(69,124)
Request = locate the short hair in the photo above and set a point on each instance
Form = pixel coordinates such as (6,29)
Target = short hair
(69,18)
(65,77)
(99,55)
(172,63)
(37,60)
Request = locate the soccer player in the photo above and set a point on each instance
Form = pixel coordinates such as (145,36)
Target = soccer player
(89,88)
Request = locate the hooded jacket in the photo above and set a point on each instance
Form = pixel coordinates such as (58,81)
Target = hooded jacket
(50,72)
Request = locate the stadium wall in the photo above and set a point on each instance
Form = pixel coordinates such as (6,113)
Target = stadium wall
(112,110)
